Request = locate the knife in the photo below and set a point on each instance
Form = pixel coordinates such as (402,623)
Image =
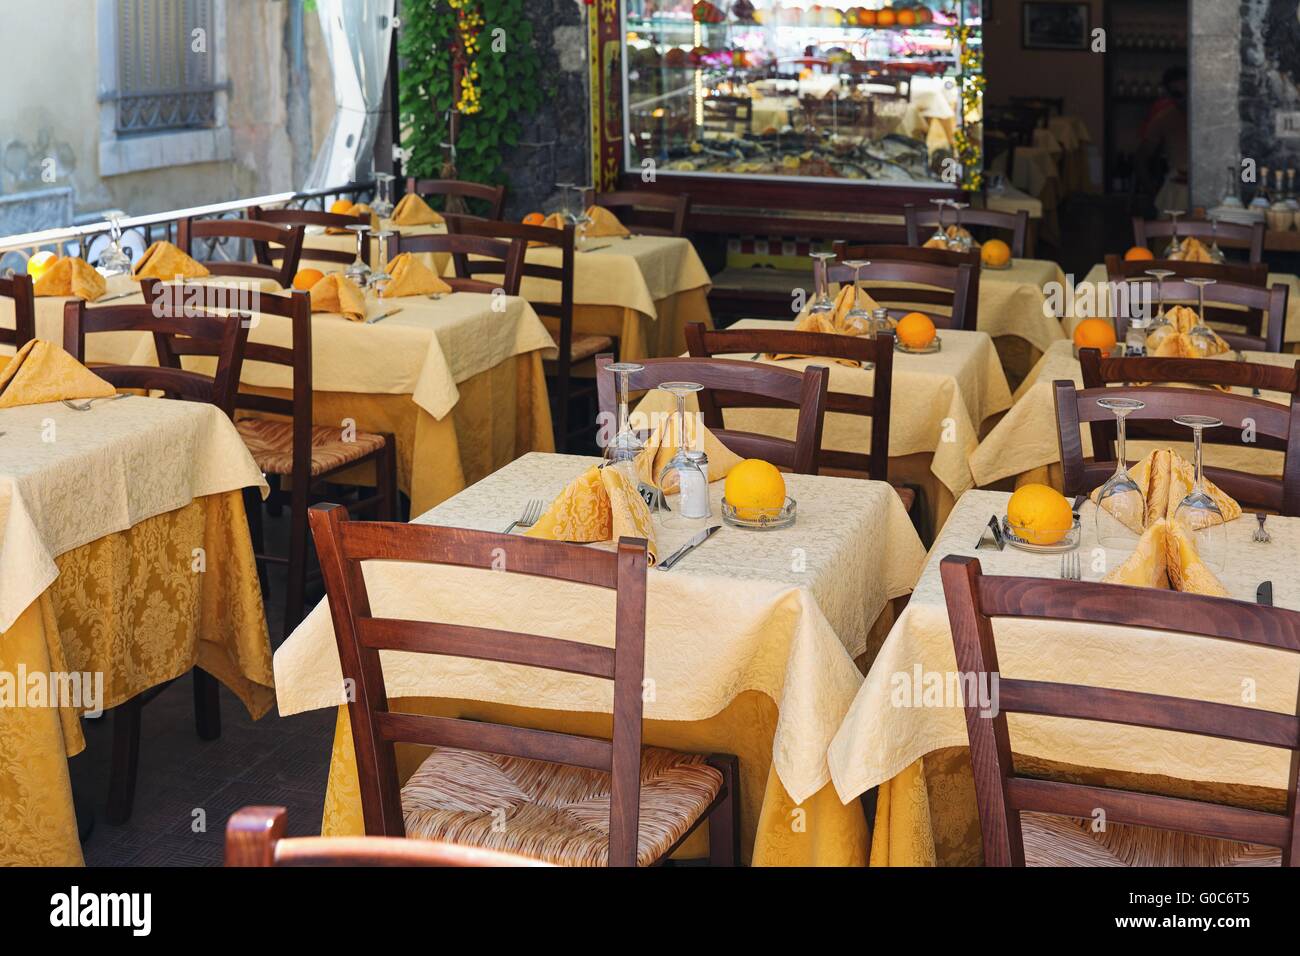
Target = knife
(595,248)
(1078,503)
(681,552)
(1264,594)
(380,318)
(120,295)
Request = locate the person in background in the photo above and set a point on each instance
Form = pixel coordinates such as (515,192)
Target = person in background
(1162,153)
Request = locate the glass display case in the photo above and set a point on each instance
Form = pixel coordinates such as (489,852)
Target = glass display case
(872,94)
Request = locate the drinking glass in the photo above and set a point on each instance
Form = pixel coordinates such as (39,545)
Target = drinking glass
(626,444)
(1120,495)
(1198,513)
(566,198)
(1174,250)
(940,234)
(379,279)
(858,319)
(359,271)
(679,465)
(1202,337)
(383,202)
(1216,254)
(114,261)
(822,302)
(961,240)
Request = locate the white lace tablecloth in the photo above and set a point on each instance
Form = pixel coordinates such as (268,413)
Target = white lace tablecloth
(781,612)
(68,478)
(895,720)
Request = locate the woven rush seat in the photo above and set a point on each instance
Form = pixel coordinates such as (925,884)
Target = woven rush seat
(553,812)
(270,442)
(1052,840)
(585,346)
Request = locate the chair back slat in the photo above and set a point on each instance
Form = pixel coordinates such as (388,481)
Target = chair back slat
(494,196)
(19,289)
(706,343)
(506,259)
(262,235)
(651,214)
(974,601)
(1016,223)
(310,217)
(892,280)
(344,545)
(1231,234)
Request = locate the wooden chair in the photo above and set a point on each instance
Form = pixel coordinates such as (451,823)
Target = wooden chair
(1260,312)
(262,236)
(226,338)
(1272,426)
(699,788)
(1232,234)
(309,217)
(504,259)
(255,836)
(557,307)
(19,288)
(953,284)
(647,213)
(1020,817)
(1016,223)
(493,196)
(1118,268)
(729,384)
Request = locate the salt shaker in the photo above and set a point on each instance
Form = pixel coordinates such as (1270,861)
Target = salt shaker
(694,485)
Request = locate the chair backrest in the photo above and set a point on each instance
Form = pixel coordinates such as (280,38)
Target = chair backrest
(974,599)
(927,217)
(505,259)
(343,545)
(224,336)
(1231,234)
(19,288)
(953,285)
(653,214)
(703,342)
(262,235)
(1266,425)
(1256,274)
(737,385)
(309,217)
(494,196)
(255,836)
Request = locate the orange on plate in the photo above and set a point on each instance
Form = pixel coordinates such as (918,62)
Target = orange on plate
(996,254)
(1138,253)
(306,278)
(342,207)
(915,330)
(754,488)
(1039,514)
(534,219)
(1094,334)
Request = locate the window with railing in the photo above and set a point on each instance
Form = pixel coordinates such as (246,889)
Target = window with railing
(165,75)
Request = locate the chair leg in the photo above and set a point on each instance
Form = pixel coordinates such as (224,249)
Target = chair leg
(253,512)
(295,591)
(207,705)
(126,761)
(724,820)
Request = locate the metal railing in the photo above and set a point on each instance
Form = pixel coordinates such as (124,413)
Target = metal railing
(139,232)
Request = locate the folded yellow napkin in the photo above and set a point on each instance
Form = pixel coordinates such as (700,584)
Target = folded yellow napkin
(952,232)
(1166,557)
(658,412)
(43,372)
(1165,479)
(601,504)
(604,224)
(1193,250)
(410,276)
(834,323)
(1176,341)
(411,210)
(71,275)
(337,293)
(163,260)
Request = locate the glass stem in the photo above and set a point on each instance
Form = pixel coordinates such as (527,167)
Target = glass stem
(681,424)
(1121,456)
(622,403)
(1196,438)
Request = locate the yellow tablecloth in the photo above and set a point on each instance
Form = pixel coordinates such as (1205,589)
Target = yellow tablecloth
(896,722)
(753,619)
(130,606)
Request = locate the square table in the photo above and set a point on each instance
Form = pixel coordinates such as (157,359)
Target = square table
(914,746)
(124,556)
(750,641)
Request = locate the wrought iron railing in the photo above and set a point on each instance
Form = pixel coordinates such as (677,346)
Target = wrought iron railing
(138,232)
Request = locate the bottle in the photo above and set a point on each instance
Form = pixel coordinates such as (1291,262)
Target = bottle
(694,480)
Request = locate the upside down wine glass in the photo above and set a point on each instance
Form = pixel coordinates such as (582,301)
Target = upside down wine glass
(114,261)
(379,280)
(1198,513)
(821,303)
(359,271)
(680,466)
(626,444)
(1175,249)
(961,241)
(1202,337)
(1160,327)
(941,234)
(1120,504)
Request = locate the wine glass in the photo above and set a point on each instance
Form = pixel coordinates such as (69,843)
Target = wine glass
(961,240)
(1120,495)
(679,466)
(566,198)
(941,234)
(383,202)
(858,319)
(114,261)
(1203,339)
(380,278)
(626,444)
(821,303)
(359,271)
(1216,254)
(1198,513)
(1174,250)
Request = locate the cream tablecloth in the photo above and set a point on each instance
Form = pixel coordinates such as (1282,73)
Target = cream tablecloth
(147,457)
(888,729)
(783,613)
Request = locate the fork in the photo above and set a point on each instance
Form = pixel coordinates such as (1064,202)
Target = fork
(85,406)
(1261,534)
(532,511)
(1070,570)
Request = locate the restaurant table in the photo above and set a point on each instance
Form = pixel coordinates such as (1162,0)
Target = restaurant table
(750,647)
(1097,281)
(458,380)
(939,402)
(908,738)
(124,552)
(1023,445)
(317,238)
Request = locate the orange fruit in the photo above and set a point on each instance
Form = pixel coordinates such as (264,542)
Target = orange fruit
(341,207)
(866,18)
(886,17)
(1138,253)
(995,253)
(306,278)
(1039,514)
(915,330)
(906,17)
(534,219)
(39,263)
(754,488)
(1094,334)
